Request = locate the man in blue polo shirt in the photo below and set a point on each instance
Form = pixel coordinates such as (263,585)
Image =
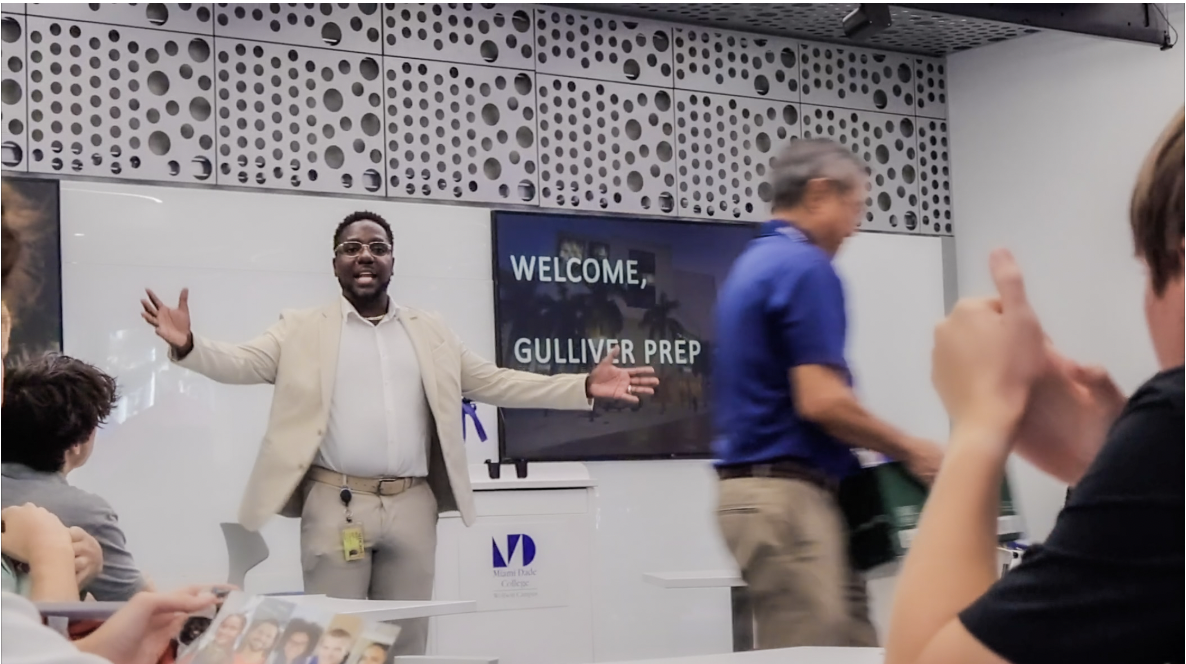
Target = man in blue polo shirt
(786,417)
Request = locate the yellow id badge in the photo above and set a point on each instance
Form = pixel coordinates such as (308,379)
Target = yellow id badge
(352,543)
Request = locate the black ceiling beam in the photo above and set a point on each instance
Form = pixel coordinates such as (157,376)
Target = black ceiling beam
(1135,22)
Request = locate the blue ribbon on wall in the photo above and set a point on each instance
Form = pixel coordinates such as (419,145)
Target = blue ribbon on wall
(468,409)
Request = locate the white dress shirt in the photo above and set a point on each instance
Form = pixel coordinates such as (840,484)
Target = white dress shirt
(378,416)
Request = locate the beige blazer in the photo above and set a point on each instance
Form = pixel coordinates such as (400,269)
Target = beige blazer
(299,355)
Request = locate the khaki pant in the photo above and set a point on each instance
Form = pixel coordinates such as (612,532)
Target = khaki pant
(790,541)
(400,533)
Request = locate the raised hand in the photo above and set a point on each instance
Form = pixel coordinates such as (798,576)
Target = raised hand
(171,324)
(607,381)
(989,353)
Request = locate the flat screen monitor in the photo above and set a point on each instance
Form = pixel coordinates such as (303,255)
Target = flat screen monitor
(569,288)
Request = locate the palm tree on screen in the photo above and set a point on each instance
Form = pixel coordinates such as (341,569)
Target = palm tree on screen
(602,314)
(659,321)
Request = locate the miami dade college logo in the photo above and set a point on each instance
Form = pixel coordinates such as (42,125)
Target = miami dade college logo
(518,543)
(518,575)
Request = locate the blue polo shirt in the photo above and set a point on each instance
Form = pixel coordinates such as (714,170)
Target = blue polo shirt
(781,306)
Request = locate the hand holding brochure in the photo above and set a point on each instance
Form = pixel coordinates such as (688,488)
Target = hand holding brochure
(269,630)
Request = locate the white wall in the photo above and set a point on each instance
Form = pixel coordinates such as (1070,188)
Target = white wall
(1047,134)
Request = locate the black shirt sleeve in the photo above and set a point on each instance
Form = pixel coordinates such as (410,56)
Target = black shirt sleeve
(1107,584)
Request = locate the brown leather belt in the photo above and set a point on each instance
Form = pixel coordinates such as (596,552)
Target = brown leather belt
(785,469)
(380,486)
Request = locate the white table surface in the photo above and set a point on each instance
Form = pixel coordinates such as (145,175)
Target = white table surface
(781,656)
(695,579)
(79,610)
(374,610)
(384,610)
(541,475)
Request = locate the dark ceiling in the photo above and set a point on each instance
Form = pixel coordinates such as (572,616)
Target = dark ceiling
(934,30)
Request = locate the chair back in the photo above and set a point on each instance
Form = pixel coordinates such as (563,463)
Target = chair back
(245,550)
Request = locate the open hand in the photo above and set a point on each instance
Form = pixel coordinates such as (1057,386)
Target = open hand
(140,631)
(1068,416)
(607,381)
(171,324)
(88,556)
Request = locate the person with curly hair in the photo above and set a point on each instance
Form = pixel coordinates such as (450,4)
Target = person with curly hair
(53,406)
(136,634)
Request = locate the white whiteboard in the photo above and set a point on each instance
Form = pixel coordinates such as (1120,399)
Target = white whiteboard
(174,460)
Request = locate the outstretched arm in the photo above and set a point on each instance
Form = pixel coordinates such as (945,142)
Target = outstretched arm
(482,380)
(249,363)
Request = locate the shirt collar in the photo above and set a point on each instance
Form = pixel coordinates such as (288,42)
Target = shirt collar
(771,227)
(19,471)
(348,310)
(783,227)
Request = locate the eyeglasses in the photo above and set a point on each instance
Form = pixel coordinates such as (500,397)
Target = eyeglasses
(352,249)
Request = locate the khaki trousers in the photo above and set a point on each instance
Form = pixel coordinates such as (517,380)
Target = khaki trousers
(400,534)
(791,543)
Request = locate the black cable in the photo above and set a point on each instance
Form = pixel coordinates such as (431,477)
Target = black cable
(1170,44)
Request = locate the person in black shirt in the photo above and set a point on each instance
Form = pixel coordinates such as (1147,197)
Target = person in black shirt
(1106,584)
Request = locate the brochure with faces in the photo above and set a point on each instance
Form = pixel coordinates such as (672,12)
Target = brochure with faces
(269,630)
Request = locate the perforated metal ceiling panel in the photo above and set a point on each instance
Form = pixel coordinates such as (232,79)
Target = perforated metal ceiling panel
(934,176)
(930,87)
(460,132)
(736,64)
(117,101)
(606,146)
(501,35)
(725,147)
(857,78)
(888,145)
(345,26)
(299,118)
(14,95)
(508,104)
(195,18)
(606,48)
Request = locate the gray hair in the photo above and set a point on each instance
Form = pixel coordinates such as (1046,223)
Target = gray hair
(807,159)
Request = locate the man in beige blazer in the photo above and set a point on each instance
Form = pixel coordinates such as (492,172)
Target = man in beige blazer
(364,439)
